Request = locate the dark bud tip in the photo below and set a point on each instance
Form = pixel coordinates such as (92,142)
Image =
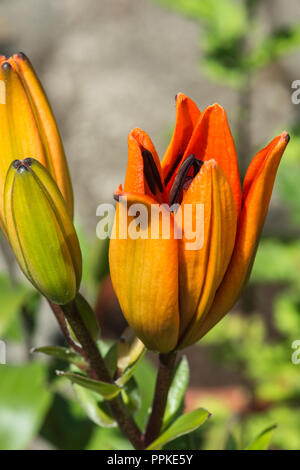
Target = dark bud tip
(28,162)
(176,96)
(287,138)
(21,55)
(6,66)
(117,197)
(16,164)
(22,165)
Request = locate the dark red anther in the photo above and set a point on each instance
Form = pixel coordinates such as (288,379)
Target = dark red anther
(182,179)
(151,172)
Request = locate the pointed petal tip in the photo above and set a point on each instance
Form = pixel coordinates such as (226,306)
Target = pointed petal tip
(135,133)
(20,55)
(212,163)
(118,193)
(286,137)
(179,97)
(216,107)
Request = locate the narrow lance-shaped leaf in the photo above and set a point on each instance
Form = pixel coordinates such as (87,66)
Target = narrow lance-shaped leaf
(177,391)
(183,425)
(262,441)
(131,396)
(106,390)
(94,406)
(59,352)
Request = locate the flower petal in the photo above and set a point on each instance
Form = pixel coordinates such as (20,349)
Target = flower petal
(19,134)
(144,273)
(202,271)
(41,232)
(212,139)
(144,174)
(254,210)
(187,115)
(54,151)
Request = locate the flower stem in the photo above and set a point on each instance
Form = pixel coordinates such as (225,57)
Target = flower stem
(60,317)
(99,370)
(88,345)
(163,382)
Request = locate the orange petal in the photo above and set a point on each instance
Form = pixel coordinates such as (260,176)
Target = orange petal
(187,114)
(254,210)
(136,180)
(212,139)
(54,151)
(257,163)
(144,274)
(201,271)
(19,134)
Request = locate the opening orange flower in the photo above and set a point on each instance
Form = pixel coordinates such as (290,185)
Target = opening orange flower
(169,295)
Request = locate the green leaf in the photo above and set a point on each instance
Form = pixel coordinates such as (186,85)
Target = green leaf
(145,375)
(131,396)
(276,261)
(111,358)
(177,391)
(280,42)
(108,439)
(262,441)
(104,389)
(64,414)
(183,425)
(64,354)
(231,443)
(12,298)
(94,406)
(24,401)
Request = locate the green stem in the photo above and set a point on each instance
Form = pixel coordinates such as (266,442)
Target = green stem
(163,382)
(60,317)
(98,368)
(88,345)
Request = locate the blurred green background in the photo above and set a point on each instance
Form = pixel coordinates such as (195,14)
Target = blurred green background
(110,66)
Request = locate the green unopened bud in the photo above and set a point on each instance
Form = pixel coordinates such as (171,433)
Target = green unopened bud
(40,231)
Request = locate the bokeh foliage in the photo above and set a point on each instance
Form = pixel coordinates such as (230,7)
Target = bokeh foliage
(34,403)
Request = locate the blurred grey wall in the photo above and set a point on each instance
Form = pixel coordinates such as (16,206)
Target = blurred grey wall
(111,65)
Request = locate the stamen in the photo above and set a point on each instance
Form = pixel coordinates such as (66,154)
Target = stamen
(151,172)
(182,178)
(172,171)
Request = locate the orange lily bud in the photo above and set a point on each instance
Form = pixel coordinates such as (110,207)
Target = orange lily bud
(28,126)
(172,295)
